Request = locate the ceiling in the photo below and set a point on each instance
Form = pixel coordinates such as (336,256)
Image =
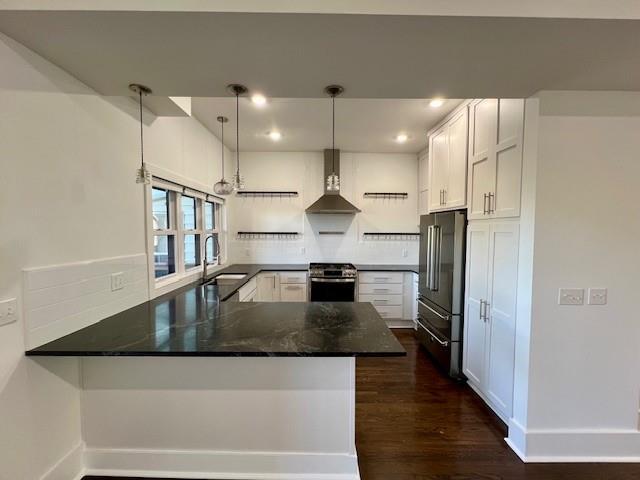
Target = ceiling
(362,125)
(294,55)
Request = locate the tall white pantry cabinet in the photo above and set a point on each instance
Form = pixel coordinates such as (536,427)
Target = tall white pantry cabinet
(493,136)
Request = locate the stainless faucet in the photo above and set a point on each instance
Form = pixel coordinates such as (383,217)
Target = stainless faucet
(206,260)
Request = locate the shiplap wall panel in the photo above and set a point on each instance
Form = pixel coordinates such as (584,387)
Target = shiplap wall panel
(61,299)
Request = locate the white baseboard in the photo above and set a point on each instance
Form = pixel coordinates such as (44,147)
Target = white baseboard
(69,467)
(574,445)
(199,464)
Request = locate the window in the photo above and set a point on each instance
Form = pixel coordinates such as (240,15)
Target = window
(164,245)
(186,229)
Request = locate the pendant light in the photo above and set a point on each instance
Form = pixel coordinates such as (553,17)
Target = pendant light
(333,180)
(237,90)
(143,175)
(222,187)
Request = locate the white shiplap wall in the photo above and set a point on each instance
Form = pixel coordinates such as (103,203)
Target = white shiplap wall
(303,172)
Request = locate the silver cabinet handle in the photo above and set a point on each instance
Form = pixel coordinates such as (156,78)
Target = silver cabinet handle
(444,196)
(433,335)
(444,317)
(485,209)
(492,202)
(382,279)
(293,287)
(378,301)
(380,290)
(486,311)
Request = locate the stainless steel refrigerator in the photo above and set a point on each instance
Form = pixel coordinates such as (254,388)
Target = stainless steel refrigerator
(441,288)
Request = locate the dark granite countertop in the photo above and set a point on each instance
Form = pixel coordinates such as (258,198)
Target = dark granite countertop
(194,321)
(388,268)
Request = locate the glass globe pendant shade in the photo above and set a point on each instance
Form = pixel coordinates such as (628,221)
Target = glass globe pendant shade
(222,187)
(143,176)
(238,182)
(333,183)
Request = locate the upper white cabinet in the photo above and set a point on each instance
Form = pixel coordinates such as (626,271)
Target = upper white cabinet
(495,157)
(423,183)
(490,311)
(448,163)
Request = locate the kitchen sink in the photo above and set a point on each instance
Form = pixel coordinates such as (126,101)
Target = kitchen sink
(227,279)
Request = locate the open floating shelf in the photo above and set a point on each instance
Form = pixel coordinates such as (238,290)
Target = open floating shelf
(267,235)
(256,193)
(396,195)
(391,235)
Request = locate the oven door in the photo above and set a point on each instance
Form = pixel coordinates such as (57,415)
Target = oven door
(332,289)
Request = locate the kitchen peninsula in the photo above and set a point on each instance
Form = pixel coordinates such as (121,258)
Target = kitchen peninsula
(154,399)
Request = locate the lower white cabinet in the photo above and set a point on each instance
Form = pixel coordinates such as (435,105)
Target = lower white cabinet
(247,292)
(293,292)
(268,287)
(490,311)
(393,294)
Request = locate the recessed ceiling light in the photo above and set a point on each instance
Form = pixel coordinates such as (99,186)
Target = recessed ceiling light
(258,99)
(436,102)
(275,135)
(402,137)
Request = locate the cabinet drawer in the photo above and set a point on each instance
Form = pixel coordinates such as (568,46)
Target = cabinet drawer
(293,277)
(293,292)
(381,300)
(380,277)
(387,312)
(377,289)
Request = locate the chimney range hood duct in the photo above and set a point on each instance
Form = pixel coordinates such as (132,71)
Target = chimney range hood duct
(332,202)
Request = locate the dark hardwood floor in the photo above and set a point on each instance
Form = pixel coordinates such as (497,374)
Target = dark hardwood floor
(412,423)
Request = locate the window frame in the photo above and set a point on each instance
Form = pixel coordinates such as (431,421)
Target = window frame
(183,275)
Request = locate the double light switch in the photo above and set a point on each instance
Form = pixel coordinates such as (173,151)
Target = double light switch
(575,296)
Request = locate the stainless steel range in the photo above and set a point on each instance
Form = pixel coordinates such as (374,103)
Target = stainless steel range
(332,282)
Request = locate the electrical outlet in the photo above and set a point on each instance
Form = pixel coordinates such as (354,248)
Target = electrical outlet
(117,281)
(597,296)
(571,296)
(8,311)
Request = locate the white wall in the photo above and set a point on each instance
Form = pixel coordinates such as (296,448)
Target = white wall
(581,396)
(303,172)
(68,194)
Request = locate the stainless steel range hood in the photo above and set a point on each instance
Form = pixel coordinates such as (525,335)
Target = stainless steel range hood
(332,202)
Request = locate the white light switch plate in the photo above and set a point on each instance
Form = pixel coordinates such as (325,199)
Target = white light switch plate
(8,311)
(597,296)
(571,296)
(117,281)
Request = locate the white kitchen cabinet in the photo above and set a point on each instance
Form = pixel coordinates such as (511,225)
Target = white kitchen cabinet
(293,292)
(447,178)
(247,292)
(490,311)
(423,182)
(393,294)
(495,157)
(268,289)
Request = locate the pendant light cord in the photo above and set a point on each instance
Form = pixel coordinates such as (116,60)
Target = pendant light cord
(141,131)
(222,142)
(333,134)
(237,134)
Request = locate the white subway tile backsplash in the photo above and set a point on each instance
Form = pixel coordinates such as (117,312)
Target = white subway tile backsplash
(61,299)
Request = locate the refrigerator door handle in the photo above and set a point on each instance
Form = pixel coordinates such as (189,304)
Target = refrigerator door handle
(443,317)
(436,244)
(428,259)
(435,337)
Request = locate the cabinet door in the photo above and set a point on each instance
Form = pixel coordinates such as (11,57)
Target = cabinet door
(438,168)
(503,262)
(508,158)
(267,291)
(423,199)
(482,167)
(423,171)
(456,184)
(293,292)
(474,353)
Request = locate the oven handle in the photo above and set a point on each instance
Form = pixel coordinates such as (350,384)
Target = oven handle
(444,317)
(444,344)
(333,280)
